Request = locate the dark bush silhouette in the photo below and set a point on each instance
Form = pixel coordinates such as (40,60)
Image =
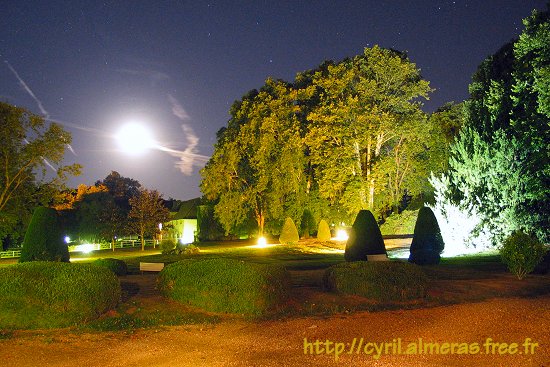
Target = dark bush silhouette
(364,238)
(44,239)
(427,243)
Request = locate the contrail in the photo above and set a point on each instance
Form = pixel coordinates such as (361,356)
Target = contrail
(188,157)
(38,102)
(29,91)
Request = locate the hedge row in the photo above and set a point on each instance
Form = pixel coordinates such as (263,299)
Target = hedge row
(226,285)
(381,281)
(53,294)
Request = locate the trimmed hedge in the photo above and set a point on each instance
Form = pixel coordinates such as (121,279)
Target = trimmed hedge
(381,281)
(289,233)
(364,238)
(52,294)
(117,266)
(226,285)
(323,233)
(427,244)
(44,239)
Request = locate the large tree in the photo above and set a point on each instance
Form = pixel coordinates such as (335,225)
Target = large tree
(500,163)
(147,211)
(29,148)
(363,102)
(257,167)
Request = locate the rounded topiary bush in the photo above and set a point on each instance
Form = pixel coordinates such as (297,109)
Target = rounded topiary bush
(381,281)
(521,253)
(44,240)
(323,233)
(167,245)
(226,285)
(53,294)
(364,238)
(289,233)
(427,244)
(117,266)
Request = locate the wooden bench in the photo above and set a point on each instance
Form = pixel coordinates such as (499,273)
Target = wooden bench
(150,266)
(380,257)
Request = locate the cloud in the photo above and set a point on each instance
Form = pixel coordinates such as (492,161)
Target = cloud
(189,157)
(28,90)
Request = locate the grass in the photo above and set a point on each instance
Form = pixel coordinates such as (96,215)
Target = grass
(461,279)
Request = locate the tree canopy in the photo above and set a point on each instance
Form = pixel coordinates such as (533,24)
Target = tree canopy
(30,147)
(500,160)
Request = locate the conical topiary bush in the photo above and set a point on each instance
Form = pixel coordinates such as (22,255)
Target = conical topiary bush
(364,238)
(43,240)
(289,233)
(427,243)
(323,232)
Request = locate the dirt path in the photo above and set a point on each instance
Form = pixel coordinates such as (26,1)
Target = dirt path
(281,343)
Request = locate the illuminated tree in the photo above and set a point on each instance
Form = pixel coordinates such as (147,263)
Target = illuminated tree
(147,211)
(363,102)
(29,147)
(500,163)
(257,168)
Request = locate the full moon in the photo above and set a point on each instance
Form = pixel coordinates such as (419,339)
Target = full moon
(135,139)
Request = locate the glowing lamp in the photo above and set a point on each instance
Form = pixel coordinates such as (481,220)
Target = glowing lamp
(341,235)
(262,242)
(67,239)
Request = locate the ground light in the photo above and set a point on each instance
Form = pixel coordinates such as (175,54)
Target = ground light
(341,235)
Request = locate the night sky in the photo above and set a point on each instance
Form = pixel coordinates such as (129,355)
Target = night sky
(177,66)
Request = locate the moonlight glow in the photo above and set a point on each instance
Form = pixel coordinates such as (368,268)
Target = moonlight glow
(135,139)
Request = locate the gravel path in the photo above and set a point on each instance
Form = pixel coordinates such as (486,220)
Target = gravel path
(281,343)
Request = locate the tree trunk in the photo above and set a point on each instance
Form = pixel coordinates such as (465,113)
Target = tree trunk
(113,243)
(142,240)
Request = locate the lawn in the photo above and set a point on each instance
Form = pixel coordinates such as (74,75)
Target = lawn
(457,280)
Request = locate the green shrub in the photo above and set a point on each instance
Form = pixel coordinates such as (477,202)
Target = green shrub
(289,233)
(427,243)
(44,239)
(364,238)
(381,281)
(54,294)
(323,233)
(521,253)
(117,266)
(191,250)
(402,223)
(226,285)
(167,245)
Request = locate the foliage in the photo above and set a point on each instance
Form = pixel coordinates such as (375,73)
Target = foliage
(167,245)
(147,211)
(257,166)
(521,253)
(44,239)
(208,228)
(381,281)
(289,233)
(323,233)
(364,238)
(46,295)
(67,199)
(117,266)
(427,244)
(500,163)
(29,147)
(367,105)
(226,285)
(543,266)
(121,188)
(191,250)
(399,223)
